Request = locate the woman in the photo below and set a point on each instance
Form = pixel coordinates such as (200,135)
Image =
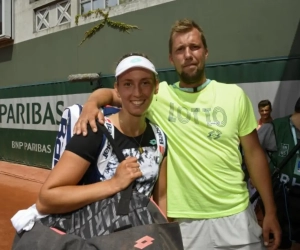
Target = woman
(136,83)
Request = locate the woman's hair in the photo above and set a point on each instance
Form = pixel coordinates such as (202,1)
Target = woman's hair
(155,77)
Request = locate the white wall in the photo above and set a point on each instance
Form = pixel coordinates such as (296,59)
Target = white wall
(24,16)
(282,94)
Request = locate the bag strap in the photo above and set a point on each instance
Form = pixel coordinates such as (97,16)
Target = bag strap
(123,206)
(270,155)
(111,140)
(278,169)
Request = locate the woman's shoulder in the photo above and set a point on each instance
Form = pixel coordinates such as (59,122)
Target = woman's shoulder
(154,125)
(158,132)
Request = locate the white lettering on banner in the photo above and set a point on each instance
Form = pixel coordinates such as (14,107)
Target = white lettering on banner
(36,147)
(17,144)
(36,113)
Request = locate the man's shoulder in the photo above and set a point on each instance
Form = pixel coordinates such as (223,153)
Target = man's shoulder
(232,88)
(227,86)
(164,87)
(164,84)
(282,123)
(265,128)
(285,119)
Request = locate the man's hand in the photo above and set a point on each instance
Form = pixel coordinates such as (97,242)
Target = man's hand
(259,171)
(271,226)
(89,114)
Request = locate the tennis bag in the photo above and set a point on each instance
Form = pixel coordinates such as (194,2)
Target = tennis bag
(127,220)
(67,122)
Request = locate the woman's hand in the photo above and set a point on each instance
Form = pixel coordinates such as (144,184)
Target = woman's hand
(127,171)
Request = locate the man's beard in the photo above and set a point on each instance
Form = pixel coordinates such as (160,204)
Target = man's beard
(192,78)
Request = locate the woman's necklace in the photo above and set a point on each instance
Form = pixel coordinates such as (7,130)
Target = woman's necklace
(141,150)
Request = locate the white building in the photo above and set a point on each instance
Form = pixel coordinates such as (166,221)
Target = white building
(22,20)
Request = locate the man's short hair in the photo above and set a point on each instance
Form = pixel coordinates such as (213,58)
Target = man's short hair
(264,103)
(297,106)
(183,26)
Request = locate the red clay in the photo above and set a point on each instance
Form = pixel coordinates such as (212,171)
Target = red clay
(19,187)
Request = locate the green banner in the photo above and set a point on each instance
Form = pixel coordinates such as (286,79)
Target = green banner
(30,118)
(28,147)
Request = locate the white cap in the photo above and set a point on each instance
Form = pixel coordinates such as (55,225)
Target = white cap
(134,62)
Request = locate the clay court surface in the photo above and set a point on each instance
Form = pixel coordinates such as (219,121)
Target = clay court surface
(19,187)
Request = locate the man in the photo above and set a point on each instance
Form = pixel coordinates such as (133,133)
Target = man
(278,138)
(265,110)
(205,121)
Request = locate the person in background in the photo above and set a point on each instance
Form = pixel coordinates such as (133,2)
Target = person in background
(265,110)
(278,138)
